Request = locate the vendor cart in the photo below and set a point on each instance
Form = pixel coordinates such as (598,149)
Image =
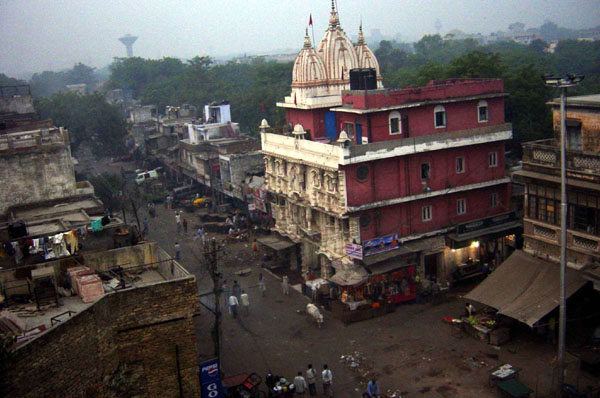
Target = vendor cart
(243,385)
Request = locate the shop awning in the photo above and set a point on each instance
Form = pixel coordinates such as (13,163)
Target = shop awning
(405,248)
(525,288)
(349,277)
(463,240)
(276,243)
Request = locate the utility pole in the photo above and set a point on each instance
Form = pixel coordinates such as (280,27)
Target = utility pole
(211,255)
(562,83)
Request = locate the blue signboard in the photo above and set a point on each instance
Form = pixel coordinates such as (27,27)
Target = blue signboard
(210,378)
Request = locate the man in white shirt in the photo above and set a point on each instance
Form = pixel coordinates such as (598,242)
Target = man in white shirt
(327,377)
(233,305)
(311,379)
(300,385)
(245,301)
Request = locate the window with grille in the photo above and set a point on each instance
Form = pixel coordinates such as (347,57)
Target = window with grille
(461,206)
(460,164)
(426,213)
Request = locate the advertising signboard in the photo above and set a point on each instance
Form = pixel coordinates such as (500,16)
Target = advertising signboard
(354,251)
(210,378)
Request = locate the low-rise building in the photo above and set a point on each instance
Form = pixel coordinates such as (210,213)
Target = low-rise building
(533,274)
(127,329)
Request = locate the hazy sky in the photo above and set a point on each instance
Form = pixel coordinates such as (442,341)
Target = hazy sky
(37,35)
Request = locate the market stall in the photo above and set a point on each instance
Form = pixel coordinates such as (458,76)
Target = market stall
(356,295)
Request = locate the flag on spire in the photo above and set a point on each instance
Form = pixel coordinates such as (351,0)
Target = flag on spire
(310,20)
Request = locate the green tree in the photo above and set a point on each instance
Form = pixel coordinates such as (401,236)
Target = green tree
(90,120)
(47,83)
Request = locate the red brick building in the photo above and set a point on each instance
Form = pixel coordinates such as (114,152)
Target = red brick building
(384,179)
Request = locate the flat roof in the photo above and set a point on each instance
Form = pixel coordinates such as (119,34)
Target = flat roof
(21,317)
(592,100)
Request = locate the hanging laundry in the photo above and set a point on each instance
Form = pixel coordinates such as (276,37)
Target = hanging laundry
(97,225)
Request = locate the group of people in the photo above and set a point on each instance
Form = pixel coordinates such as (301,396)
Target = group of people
(238,297)
(305,383)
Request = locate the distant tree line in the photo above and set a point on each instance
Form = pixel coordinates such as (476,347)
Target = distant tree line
(254,88)
(521,67)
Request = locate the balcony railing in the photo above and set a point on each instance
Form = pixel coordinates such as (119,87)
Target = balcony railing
(546,153)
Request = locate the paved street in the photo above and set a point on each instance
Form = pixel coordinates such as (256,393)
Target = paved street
(411,350)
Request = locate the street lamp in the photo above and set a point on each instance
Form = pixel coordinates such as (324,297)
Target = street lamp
(562,82)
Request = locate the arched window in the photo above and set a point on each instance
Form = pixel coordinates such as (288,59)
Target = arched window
(439,116)
(482,111)
(395,123)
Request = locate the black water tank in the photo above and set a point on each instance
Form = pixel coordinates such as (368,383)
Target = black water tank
(363,79)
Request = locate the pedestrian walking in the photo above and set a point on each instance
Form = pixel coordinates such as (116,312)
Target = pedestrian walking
(261,284)
(146,227)
(200,235)
(311,380)
(236,290)
(178,221)
(151,210)
(185,224)
(233,305)
(169,202)
(177,251)
(225,290)
(327,378)
(300,384)
(255,246)
(245,301)
(285,285)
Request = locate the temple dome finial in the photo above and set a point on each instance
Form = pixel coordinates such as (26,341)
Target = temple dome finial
(307,43)
(334,20)
(361,36)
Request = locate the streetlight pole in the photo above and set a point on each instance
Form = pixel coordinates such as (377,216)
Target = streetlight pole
(562,83)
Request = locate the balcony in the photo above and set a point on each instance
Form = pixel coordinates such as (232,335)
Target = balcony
(576,240)
(544,156)
(332,156)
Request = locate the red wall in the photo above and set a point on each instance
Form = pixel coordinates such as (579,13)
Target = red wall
(450,88)
(401,176)
(405,218)
(310,119)
(420,120)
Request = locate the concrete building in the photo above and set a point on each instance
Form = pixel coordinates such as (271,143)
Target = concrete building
(526,286)
(133,336)
(541,171)
(405,178)
(216,142)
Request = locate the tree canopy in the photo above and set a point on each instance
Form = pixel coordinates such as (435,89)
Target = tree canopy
(199,81)
(90,120)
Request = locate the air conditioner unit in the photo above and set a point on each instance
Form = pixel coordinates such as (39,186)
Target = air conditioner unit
(365,140)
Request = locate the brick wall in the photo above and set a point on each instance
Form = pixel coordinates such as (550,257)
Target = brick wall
(127,344)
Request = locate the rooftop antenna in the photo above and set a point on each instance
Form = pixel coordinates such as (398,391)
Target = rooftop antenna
(128,40)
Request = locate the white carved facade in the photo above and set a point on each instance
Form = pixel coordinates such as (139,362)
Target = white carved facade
(308,205)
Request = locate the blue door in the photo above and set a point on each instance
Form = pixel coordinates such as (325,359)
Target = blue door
(358,134)
(330,131)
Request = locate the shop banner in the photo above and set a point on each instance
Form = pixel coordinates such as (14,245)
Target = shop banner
(260,194)
(379,245)
(210,378)
(486,223)
(260,205)
(354,251)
